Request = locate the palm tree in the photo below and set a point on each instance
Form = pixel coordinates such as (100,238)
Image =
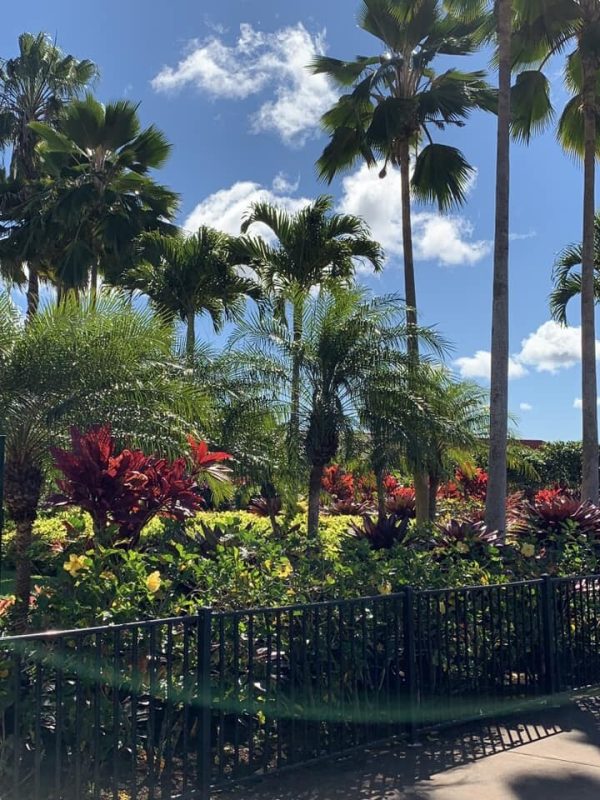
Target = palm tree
(83,364)
(34,87)
(394,101)
(498,24)
(187,275)
(455,422)
(347,336)
(97,194)
(541,31)
(567,281)
(314,247)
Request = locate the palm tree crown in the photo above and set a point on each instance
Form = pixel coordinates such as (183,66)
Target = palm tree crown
(34,87)
(396,98)
(186,275)
(97,194)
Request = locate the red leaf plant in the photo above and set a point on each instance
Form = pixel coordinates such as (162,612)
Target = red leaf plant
(123,491)
(338,483)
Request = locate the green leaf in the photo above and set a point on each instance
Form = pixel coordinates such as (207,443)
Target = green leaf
(531,105)
(441,176)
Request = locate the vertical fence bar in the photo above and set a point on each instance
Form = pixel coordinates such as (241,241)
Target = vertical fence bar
(410,662)
(204,697)
(548,634)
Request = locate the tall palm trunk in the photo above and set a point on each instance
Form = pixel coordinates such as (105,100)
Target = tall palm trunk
(589,486)
(410,286)
(495,512)
(314,499)
(190,338)
(410,296)
(22,488)
(294,432)
(33,291)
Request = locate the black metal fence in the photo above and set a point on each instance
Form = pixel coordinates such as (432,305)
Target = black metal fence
(169,708)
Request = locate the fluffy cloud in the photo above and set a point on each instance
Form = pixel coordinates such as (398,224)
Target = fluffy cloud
(226,208)
(259,62)
(480,365)
(526,407)
(552,347)
(445,239)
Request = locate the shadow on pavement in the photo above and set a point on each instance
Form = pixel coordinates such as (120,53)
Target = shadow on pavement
(400,771)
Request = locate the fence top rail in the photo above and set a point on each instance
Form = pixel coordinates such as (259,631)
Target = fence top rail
(343,602)
(479,587)
(576,578)
(245,612)
(123,626)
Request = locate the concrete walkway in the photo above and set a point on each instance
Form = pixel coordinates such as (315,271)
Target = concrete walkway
(549,755)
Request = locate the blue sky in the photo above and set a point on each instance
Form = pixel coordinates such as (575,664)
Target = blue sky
(225,82)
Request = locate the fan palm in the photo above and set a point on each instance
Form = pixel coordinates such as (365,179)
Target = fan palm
(82,365)
(34,86)
(542,30)
(97,194)
(395,99)
(313,247)
(187,275)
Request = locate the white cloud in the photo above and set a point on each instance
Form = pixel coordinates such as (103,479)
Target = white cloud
(260,62)
(519,237)
(552,347)
(282,184)
(480,365)
(526,407)
(445,239)
(226,208)
(578,403)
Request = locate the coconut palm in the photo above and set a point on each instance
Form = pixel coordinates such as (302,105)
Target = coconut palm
(83,364)
(34,86)
(395,100)
(543,30)
(187,275)
(313,247)
(97,193)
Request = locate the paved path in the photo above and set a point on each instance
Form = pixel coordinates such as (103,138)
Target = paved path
(549,755)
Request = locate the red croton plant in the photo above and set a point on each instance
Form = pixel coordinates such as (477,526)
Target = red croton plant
(122,491)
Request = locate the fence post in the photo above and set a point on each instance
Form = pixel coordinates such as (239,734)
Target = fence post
(410,662)
(204,765)
(548,635)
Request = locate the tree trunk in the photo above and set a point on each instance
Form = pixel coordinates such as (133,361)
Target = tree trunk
(23,538)
(381,507)
(410,286)
(589,485)
(495,512)
(421,497)
(22,488)
(33,292)
(434,485)
(410,296)
(190,340)
(314,499)
(294,432)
